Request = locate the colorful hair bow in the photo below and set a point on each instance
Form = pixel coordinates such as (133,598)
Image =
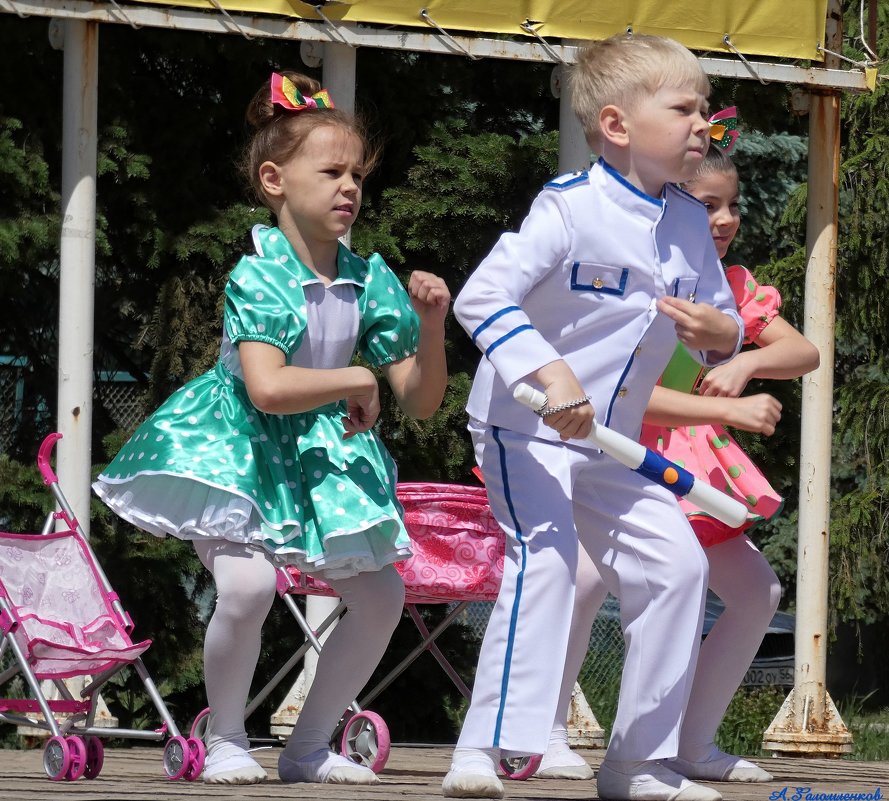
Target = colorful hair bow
(724,131)
(286,95)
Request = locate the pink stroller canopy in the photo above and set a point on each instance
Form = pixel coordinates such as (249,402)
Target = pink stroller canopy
(66,625)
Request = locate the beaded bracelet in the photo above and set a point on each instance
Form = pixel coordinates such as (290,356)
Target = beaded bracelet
(546,410)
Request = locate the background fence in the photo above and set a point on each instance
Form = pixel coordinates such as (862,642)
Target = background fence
(600,674)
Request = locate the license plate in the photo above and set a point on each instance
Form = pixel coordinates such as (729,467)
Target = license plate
(772,676)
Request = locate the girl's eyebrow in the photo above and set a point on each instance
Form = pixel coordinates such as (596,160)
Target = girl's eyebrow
(340,163)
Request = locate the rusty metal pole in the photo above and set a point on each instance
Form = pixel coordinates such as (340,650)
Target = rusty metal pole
(808,722)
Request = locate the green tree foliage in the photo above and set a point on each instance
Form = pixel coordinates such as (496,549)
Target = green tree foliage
(770,167)
(462,192)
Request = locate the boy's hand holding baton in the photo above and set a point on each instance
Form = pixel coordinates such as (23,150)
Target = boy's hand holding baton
(650,464)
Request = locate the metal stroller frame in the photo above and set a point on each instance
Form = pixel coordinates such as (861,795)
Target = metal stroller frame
(74,748)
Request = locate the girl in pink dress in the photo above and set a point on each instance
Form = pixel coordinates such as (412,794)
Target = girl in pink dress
(684,422)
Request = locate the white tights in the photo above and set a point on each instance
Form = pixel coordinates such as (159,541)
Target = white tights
(245,587)
(749,588)
(589,595)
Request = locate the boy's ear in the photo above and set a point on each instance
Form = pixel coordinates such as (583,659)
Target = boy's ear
(270,178)
(612,127)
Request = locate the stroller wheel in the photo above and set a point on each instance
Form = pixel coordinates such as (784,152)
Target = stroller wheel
(57,758)
(366,740)
(520,768)
(197,754)
(95,757)
(177,758)
(77,749)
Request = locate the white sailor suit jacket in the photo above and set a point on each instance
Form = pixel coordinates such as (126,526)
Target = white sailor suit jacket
(579,281)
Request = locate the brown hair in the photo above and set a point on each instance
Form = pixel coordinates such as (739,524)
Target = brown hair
(715,161)
(279,134)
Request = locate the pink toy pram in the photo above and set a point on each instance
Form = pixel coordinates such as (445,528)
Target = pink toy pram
(458,550)
(60,619)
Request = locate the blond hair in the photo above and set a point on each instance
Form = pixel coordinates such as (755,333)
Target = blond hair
(623,69)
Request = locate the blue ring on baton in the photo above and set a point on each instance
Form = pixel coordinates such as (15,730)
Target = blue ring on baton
(666,473)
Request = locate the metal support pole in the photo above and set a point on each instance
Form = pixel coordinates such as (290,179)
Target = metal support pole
(338,77)
(808,722)
(77,279)
(77,264)
(574,152)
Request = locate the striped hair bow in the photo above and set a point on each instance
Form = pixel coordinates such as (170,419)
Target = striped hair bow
(286,95)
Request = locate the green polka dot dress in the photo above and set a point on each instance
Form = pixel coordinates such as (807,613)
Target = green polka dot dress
(207,463)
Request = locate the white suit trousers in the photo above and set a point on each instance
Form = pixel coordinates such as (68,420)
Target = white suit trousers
(547,496)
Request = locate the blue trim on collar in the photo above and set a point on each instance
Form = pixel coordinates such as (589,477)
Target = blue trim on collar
(634,189)
(568,180)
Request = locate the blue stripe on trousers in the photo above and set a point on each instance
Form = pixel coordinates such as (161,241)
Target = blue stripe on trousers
(514,617)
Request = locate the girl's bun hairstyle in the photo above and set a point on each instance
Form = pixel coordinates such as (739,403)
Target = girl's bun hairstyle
(261,111)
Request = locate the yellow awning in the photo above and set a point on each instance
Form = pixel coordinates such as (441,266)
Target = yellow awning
(780,28)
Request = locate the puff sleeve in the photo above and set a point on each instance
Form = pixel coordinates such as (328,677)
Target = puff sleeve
(263,303)
(390,328)
(758,304)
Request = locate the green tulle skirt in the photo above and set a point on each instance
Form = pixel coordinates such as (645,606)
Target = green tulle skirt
(207,463)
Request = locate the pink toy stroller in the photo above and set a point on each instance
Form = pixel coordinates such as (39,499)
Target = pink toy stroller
(457,558)
(59,619)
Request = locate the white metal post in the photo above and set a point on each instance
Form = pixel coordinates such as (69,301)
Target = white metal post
(808,722)
(77,263)
(574,152)
(77,278)
(338,77)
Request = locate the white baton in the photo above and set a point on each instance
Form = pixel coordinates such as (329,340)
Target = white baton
(652,465)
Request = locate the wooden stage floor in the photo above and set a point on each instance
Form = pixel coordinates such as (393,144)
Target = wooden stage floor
(411,774)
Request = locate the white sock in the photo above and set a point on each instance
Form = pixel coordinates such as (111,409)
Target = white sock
(480,761)
(559,753)
(324,767)
(227,763)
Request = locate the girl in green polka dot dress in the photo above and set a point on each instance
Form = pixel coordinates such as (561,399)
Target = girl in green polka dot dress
(270,457)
